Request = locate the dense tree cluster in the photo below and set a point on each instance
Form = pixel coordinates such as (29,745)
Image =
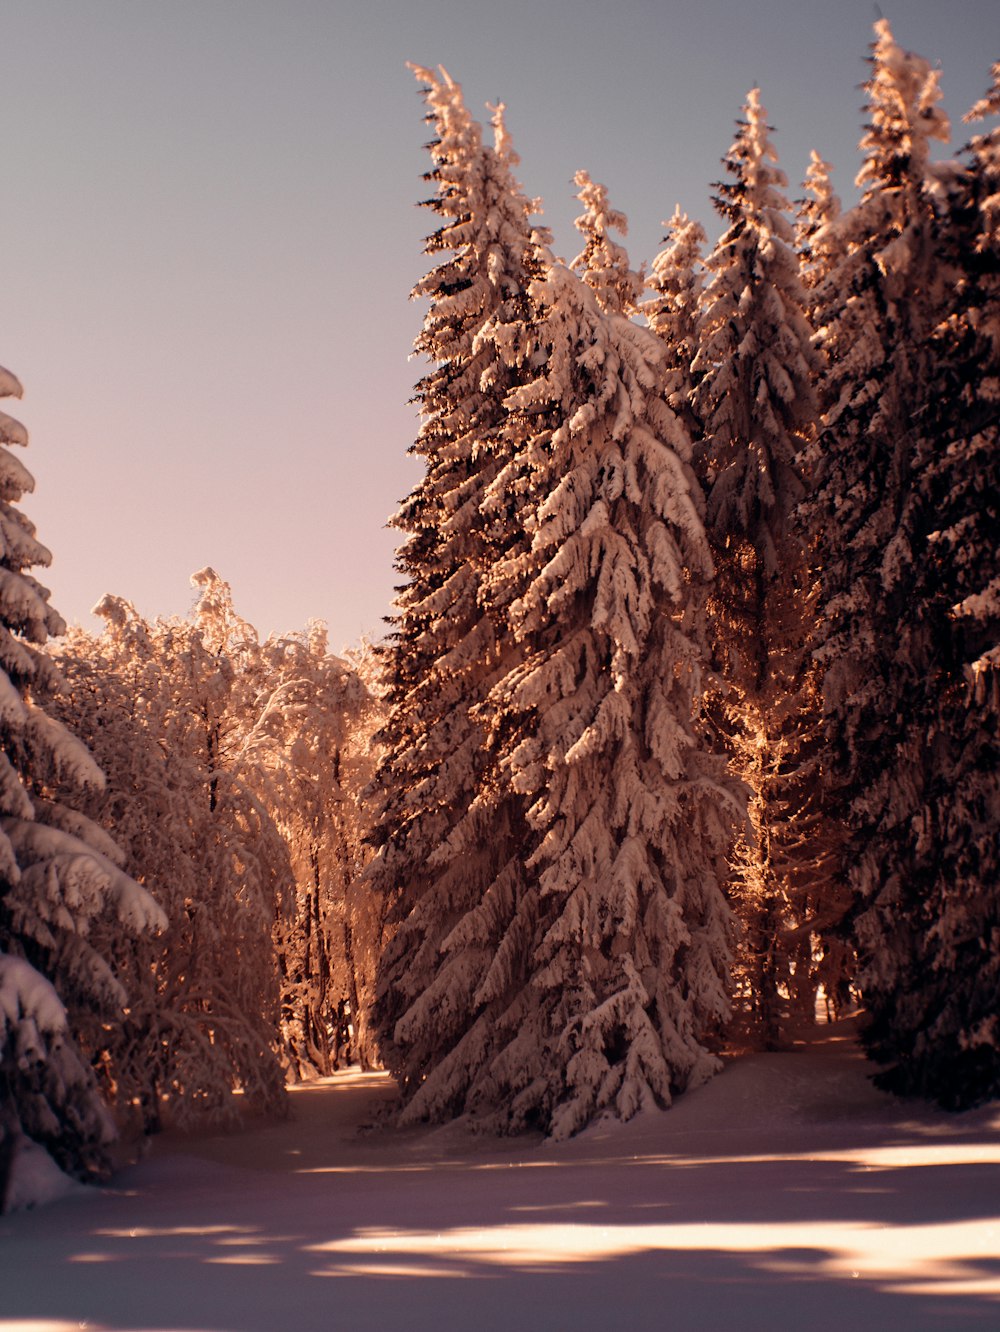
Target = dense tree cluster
(687,711)
(769,539)
(903,510)
(229,771)
(231,764)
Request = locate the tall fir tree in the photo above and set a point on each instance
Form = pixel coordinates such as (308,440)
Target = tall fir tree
(603,262)
(442,826)
(934,978)
(61,877)
(571,955)
(610,982)
(903,510)
(673,310)
(755,372)
(815,234)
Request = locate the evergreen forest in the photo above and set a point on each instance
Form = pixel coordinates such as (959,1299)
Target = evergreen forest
(683,731)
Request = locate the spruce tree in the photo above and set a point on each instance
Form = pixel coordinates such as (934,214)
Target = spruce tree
(443,828)
(903,510)
(571,954)
(603,263)
(755,371)
(61,877)
(673,310)
(611,980)
(815,228)
(933,974)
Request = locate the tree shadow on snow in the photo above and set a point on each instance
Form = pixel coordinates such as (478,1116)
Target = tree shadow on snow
(710,1216)
(585,1243)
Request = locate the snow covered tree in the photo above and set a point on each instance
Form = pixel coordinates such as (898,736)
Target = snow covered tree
(931,928)
(815,233)
(755,372)
(673,311)
(592,971)
(446,646)
(307,754)
(755,395)
(905,513)
(62,886)
(631,818)
(603,263)
(164,705)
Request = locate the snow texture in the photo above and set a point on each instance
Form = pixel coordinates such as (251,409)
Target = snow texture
(785,1190)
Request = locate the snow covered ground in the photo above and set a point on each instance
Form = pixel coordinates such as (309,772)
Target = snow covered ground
(785,1194)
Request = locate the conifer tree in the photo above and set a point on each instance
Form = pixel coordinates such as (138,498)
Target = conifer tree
(611,981)
(597,958)
(755,372)
(61,877)
(931,928)
(815,234)
(603,262)
(906,495)
(441,825)
(673,311)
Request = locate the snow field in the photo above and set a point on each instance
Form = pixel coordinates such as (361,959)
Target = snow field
(787,1192)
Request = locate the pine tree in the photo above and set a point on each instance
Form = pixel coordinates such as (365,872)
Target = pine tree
(61,877)
(933,976)
(755,371)
(610,979)
(905,500)
(815,228)
(603,262)
(673,311)
(441,825)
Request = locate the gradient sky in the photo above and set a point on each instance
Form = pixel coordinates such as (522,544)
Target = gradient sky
(209,237)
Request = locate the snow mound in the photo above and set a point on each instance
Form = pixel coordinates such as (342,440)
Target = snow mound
(35,1178)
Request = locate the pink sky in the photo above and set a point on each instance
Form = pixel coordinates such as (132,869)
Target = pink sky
(210,236)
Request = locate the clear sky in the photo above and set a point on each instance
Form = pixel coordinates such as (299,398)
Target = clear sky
(209,237)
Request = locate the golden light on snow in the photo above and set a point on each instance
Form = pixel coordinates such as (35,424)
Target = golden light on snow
(899,1156)
(902,1156)
(244,1259)
(939,1259)
(48,1325)
(164,1232)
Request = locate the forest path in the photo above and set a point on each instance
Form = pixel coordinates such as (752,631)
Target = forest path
(787,1192)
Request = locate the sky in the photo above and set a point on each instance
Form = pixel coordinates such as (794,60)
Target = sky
(210,234)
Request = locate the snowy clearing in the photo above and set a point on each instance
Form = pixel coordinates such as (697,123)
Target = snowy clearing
(786,1192)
